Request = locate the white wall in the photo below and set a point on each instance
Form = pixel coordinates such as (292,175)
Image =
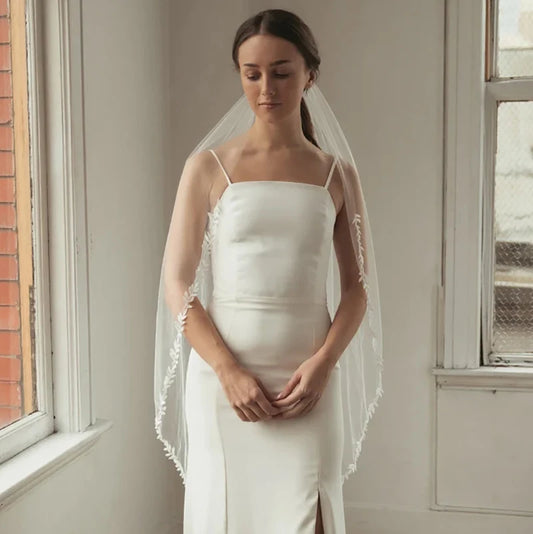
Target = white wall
(157,74)
(123,485)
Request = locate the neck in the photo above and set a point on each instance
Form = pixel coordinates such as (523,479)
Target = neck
(279,135)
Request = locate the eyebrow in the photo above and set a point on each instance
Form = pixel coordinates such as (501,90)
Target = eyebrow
(278,62)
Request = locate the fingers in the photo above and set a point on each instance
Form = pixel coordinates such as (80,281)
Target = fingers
(250,414)
(255,406)
(291,384)
(240,413)
(296,394)
(266,407)
(254,412)
(267,393)
(302,407)
(265,401)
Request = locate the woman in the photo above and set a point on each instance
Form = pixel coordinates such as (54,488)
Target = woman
(268,230)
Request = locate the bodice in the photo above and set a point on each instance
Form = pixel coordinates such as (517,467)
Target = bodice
(272,242)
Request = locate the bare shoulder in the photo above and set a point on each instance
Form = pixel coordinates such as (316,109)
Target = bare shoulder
(200,162)
(343,174)
(199,168)
(348,169)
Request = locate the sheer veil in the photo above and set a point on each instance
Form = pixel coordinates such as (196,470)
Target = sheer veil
(186,274)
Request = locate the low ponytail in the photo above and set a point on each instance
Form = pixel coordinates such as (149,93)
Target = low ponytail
(307,125)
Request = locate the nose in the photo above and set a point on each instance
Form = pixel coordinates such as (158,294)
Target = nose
(268,87)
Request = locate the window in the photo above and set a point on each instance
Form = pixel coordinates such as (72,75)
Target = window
(45,379)
(486,296)
(16,367)
(507,328)
(24,389)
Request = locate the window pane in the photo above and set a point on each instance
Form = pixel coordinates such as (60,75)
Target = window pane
(513,230)
(515,38)
(17,365)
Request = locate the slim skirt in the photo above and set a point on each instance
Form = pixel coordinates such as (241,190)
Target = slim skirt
(263,477)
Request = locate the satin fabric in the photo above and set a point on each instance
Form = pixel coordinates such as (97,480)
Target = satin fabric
(271,243)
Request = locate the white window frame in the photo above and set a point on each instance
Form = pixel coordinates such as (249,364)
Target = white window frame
(65,425)
(496,90)
(469,113)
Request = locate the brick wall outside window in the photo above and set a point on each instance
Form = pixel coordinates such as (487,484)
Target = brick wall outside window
(16,359)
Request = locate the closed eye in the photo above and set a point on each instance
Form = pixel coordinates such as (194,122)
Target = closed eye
(277,76)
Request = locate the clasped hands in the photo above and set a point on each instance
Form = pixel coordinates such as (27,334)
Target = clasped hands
(252,402)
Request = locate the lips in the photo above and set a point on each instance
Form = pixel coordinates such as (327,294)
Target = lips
(269,103)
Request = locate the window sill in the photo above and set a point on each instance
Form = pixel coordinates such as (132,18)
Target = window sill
(29,467)
(485,377)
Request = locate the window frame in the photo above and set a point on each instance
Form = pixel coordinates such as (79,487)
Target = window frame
(496,91)
(469,138)
(41,442)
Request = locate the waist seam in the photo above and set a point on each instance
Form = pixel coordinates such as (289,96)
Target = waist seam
(268,299)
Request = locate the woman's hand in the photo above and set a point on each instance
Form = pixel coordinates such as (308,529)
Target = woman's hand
(246,394)
(305,387)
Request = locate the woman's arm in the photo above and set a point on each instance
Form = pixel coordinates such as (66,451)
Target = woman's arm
(353,302)
(182,256)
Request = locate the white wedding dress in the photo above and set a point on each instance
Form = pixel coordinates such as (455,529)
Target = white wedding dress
(270,251)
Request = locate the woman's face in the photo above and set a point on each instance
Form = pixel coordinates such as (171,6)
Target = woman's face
(272,70)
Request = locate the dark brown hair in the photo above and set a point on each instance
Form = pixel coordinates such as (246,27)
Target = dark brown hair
(287,25)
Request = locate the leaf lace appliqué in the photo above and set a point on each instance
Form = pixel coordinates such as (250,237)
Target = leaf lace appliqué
(190,294)
(357,445)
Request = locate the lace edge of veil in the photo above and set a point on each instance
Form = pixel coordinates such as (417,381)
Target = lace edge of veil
(357,445)
(190,294)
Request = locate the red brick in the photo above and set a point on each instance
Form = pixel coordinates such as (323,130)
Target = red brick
(10,394)
(8,216)
(7,164)
(9,296)
(6,88)
(5,57)
(10,369)
(9,318)
(6,137)
(6,110)
(4,30)
(4,8)
(7,190)
(8,271)
(9,415)
(8,242)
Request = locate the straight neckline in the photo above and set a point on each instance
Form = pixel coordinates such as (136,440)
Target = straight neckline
(289,182)
(325,185)
(275,182)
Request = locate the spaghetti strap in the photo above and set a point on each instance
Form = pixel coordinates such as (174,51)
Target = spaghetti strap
(330,173)
(223,170)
